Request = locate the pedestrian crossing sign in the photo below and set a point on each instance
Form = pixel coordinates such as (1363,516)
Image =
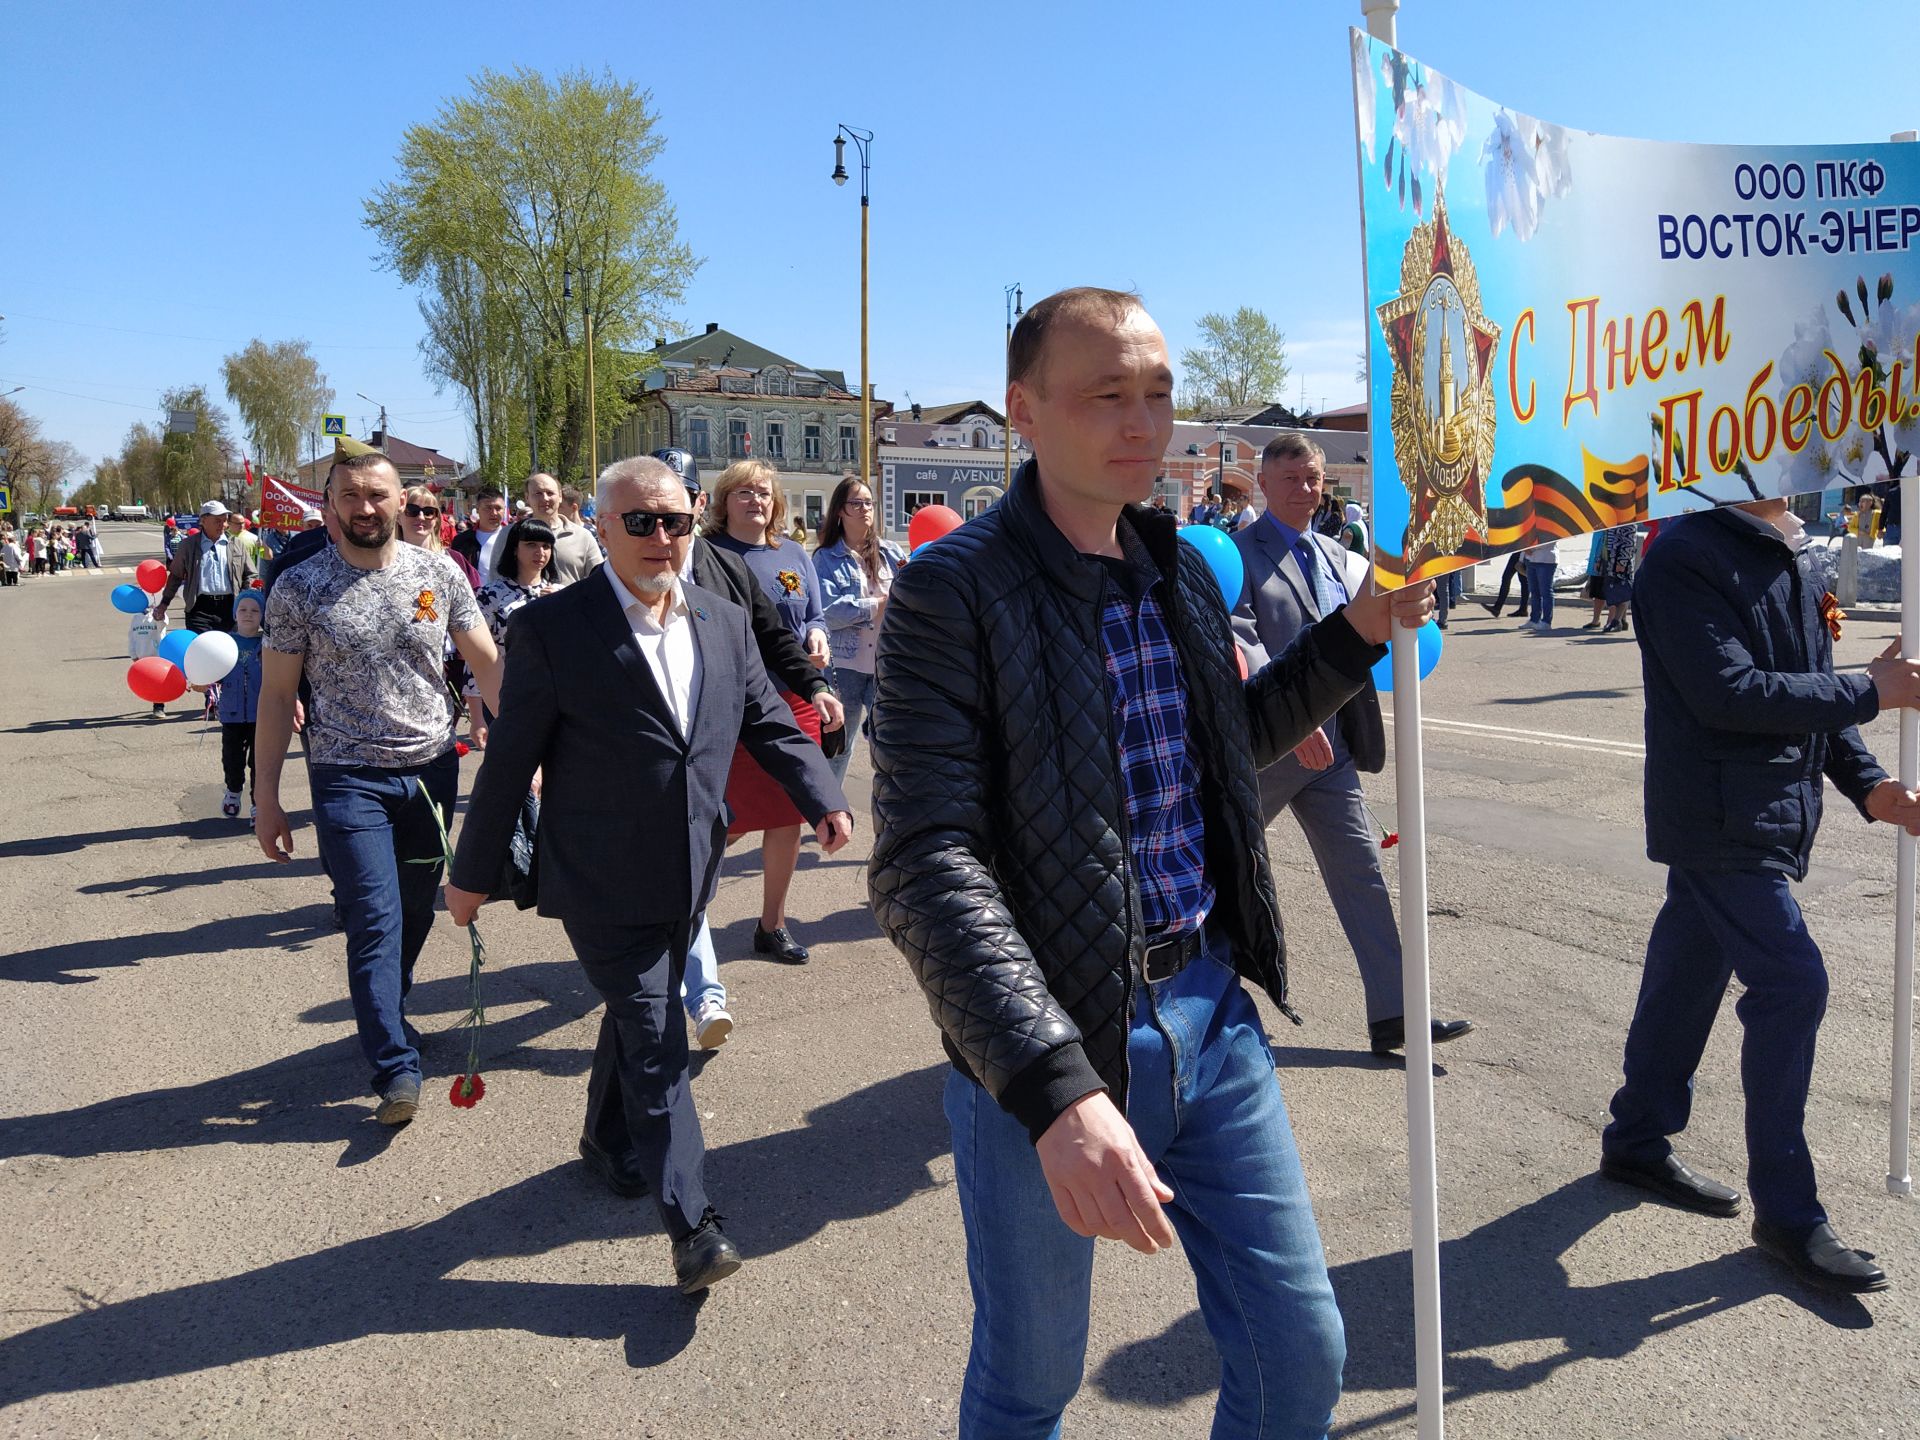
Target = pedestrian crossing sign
(6,496)
(333,424)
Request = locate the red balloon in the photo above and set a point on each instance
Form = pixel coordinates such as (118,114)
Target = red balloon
(154,680)
(152,576)
(929,523)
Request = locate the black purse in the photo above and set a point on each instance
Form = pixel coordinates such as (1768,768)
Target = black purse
(520,873)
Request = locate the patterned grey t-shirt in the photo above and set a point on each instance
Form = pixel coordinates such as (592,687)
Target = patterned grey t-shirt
(374,643)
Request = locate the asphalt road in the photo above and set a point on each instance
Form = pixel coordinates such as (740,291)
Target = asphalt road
(206,1233)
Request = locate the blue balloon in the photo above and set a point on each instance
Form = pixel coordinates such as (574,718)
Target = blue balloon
(1427,642)
(173,647)
(1222,557)
(130,599)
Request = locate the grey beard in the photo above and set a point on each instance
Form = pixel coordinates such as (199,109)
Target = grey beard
(654,584)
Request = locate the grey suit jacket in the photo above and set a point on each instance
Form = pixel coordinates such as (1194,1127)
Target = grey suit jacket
(632,815)
(1276,603)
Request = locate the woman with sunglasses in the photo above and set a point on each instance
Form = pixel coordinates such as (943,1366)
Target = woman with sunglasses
(420,525)
(856,570)
(749,518)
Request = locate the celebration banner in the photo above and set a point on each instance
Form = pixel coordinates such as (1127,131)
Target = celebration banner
(1568,332)
(284,506)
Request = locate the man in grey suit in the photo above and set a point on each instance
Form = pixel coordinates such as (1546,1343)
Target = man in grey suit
(1296,576)
(628,692)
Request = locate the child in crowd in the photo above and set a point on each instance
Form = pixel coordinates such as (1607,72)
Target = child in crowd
(239,703)
(143,639)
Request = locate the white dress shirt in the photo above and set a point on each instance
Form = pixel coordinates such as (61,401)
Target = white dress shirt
(669,649)
(489,542)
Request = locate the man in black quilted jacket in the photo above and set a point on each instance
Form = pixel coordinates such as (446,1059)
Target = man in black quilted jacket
(1070,853)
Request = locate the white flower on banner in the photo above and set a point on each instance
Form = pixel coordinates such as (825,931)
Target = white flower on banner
(1526,164)
(1870,340)
(1429,125)
(1365,95)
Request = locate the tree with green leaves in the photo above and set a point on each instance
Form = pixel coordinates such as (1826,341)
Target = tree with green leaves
(1241,361)
(193,464)
(526,206)
(281,395)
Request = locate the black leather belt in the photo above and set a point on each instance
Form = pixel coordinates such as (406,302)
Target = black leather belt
(1169,957)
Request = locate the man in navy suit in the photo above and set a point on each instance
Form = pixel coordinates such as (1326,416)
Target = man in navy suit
(1295,576)
(628,692)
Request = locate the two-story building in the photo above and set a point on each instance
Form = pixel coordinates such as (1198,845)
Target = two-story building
(952,455)
(724,398)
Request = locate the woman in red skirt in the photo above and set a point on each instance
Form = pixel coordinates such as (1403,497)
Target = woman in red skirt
(749,517)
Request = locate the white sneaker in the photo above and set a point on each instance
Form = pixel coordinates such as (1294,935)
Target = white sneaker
(711,1025)
(230,804)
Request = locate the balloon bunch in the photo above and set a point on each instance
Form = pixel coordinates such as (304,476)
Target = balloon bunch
(185,658)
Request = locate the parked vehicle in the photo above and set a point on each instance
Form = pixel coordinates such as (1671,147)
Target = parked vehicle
(129,512)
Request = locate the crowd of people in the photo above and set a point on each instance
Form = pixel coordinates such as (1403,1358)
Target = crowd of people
(1073,779)
(48,550)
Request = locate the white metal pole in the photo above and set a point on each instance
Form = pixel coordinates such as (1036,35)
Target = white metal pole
(1423,1180)
(1423,1174)
(1899,1125)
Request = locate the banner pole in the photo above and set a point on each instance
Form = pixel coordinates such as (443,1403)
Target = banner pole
(1899,1176)
(1417,1009)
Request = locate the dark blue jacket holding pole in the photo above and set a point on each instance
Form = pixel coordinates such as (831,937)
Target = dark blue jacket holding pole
(1745,714)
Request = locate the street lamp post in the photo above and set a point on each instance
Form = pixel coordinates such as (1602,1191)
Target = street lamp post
(586,312)
(863,142)
(1014,312)
(383,418)
(1220,439)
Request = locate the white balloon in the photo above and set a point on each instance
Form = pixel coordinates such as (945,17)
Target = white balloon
(210,657)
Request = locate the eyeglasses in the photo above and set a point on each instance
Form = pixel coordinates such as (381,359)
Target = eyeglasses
(417,511)
(856,505)
(642,523)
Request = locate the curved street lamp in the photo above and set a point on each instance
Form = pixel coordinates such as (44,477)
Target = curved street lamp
(1014,312)
(863,142)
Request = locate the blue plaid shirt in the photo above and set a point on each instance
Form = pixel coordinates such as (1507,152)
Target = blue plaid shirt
(1161,780)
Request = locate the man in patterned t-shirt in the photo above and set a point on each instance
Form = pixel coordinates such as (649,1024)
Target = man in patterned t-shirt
(367,622)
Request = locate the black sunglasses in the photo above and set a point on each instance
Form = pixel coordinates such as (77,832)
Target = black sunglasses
(642,522)
(416,511)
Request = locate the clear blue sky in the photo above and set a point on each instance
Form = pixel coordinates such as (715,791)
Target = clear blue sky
(185,176)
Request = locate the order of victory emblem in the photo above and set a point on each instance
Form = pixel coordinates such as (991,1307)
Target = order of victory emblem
(1441,407)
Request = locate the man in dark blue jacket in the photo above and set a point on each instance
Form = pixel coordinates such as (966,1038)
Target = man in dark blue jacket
(1745,718)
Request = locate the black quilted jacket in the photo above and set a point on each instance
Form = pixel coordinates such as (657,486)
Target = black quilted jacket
(1000,865)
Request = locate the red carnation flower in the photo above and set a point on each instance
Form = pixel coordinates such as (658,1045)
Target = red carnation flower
(467,1091)
(461,748)
(1390,839)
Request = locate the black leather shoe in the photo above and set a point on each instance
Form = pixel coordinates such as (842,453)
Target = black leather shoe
(616,1171)
(779,944)
(1388,1036)
(705,1256)
(1821,1258)
(1673,1182)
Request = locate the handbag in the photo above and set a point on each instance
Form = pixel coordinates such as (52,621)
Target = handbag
(1618,592)
(520,872)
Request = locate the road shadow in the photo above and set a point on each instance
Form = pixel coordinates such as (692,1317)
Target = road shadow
(214,827)
(316,1096)
(842,927)
(63,964)
(1563,695)
(1503,1283)
(145,887)
(854,1157)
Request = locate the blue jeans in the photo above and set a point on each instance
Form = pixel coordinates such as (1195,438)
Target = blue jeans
(701,982)
(1206,1106)
(855,689)
(1540,592)
(371,823)
(1714,926)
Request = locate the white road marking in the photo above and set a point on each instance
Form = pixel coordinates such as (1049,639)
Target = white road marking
(1549,738)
